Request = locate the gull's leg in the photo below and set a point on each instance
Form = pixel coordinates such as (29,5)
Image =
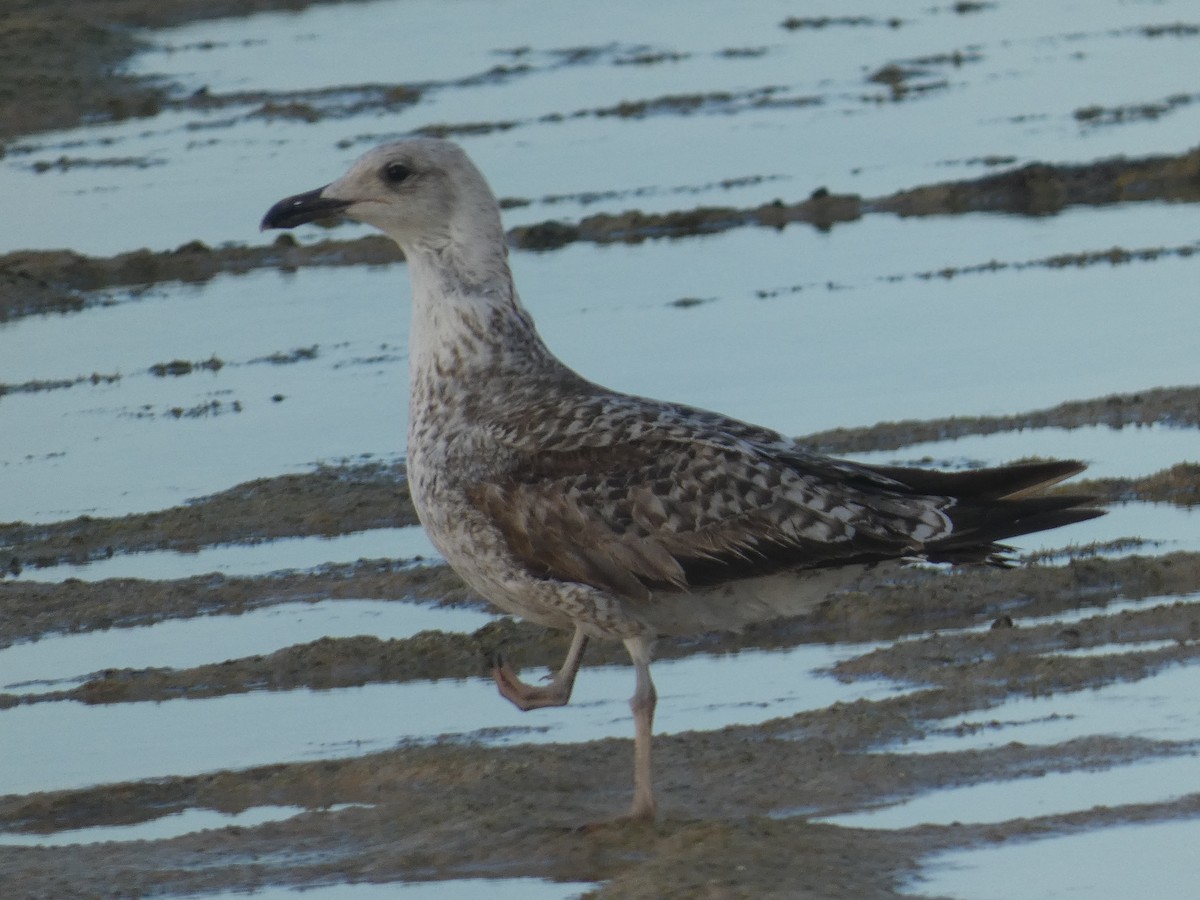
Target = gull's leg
(642,703)
(527,696)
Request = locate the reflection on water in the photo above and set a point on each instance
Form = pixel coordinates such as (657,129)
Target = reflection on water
(1048,794)
(1137,860)
(1021,72)
(118,448)
(295,553)
(53,663)
(157,829)
(190,736)
(451,889)
(805,330)
(1128,452)
(1158,707)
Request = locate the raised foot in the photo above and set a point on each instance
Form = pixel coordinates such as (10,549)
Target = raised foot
(525,696)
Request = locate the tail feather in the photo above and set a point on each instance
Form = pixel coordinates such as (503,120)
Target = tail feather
(1000,483)
(993,505)
(982,524)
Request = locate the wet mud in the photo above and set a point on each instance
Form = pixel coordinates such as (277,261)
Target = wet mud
(328,501)
(60,60)
(34,282)
(1175,406)
(741,805)
(921,600)
(333,500)
(730,825)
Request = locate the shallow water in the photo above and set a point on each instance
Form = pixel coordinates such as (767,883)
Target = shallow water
(452,889)
(237,731)
(1024,69)
(281,554)
(783,362)
(1156,708)
(1052,793)
(1129,452)
(161,828)
(1136,860)
(800,330)
(52,663)
(1115,608)
(1153,527)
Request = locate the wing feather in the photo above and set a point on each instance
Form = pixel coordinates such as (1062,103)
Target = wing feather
(660,514)
(638,497)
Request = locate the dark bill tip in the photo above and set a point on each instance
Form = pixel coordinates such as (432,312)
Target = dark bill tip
(293,211)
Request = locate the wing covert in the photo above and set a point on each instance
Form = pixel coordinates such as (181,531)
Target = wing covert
(658,513)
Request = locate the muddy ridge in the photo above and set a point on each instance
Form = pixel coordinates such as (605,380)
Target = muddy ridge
(743,807)
(917,600)
(1173,406)
(61,280)
(334,500)
(329,501)
(1036,189)
(60,59)
(30,610)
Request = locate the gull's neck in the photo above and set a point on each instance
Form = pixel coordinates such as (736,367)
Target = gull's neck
(468,322)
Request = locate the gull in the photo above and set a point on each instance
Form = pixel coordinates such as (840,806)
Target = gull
(615,516)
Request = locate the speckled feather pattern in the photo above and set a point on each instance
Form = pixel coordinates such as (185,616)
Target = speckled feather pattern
(536,483)
(574,505)
(617,516)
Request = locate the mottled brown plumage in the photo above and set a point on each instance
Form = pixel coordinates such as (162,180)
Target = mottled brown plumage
(621,517)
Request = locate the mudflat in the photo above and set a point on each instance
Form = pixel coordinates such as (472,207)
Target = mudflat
(742,806)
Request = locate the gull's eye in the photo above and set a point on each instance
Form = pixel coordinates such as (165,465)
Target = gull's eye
(394,173)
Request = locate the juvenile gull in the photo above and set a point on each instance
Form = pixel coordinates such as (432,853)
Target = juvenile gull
(616,516)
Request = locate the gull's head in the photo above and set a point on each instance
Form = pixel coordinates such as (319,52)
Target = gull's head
(421,192)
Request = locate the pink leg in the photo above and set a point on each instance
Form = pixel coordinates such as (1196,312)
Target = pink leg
(642,703)
(557,693)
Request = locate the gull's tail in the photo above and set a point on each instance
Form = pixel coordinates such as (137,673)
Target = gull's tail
(996,504)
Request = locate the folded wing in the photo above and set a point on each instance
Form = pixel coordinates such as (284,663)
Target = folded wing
(660,512)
